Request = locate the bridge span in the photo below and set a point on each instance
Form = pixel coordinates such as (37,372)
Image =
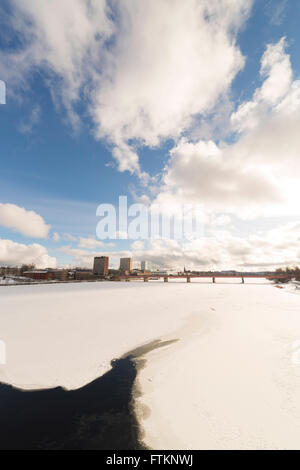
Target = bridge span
(213,276)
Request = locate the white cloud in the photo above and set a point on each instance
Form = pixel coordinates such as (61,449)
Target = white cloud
(203,173)
(137,245)
(12,253)
(165,62)
(56,237)
(29,223)
(258,173)
(84,258)
(69,238)
(64,38)
(276,11)
(27,124)
(278,77)
(171,61)
(276,68)
(220,220)
(92,243)
(267,250)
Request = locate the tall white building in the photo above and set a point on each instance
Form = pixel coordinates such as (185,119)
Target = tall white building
(143,266)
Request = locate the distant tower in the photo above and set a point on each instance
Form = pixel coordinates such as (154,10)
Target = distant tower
(126,265)
(101,265)
(143,266)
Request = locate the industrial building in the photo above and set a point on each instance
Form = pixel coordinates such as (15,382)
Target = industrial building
(84,275)
(42,275)
(47,274)
(58,274)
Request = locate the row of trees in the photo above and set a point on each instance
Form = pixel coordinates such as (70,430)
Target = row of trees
(16,270)
(27,267)
(293,272)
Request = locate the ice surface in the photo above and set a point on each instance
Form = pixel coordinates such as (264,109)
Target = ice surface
(231,381)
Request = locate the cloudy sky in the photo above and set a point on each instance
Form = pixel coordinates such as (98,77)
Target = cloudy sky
(164,101)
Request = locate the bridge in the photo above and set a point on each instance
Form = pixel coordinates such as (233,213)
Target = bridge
(213,276)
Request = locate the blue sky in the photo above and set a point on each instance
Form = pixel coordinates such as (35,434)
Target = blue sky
(62,170)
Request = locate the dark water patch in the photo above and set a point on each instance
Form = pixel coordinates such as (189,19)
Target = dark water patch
(96,416)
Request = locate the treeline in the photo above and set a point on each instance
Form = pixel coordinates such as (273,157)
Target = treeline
(27,267)
(16,270)
(293,272)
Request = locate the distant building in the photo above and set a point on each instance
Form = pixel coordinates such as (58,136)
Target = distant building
(113,271)
(47,274)
(143,266)
(37,275)
(160,273)
(58,274)
(126,265)
(101,265)
(84,275)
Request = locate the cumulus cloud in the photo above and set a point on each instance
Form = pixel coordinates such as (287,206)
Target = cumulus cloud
(257,173)
(220,220)
(147,69)
(203,173)
(63,38)
(137,245)
(56,237)
(220,250)
(277,73)
(84,257)
(171,61)
(267,250)
(69,237)
(12,253)
(92,243)
(29,223)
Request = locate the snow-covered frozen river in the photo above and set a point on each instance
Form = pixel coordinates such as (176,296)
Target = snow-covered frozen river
(232,380)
